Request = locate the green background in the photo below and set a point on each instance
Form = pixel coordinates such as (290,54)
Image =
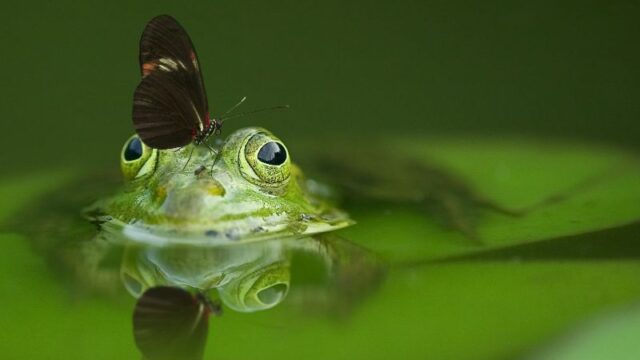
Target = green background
(550,72)
(543,68)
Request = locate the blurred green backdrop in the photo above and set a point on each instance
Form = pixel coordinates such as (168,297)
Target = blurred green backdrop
(541,69)
(544,68)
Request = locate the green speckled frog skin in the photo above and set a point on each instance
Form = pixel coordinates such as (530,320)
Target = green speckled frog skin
(246,189)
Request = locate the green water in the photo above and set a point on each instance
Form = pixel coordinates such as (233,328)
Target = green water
(467,82)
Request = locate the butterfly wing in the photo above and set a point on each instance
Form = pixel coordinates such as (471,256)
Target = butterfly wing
(164,114)
(170,104)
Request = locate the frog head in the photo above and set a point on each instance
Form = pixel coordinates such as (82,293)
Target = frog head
(246,188)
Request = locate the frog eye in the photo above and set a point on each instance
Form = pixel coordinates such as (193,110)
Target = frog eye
(132,284)
(268,160)
(259,290)
(272,153)
(133,149)
(136,158)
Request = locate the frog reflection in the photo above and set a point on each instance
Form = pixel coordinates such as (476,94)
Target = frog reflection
(246,278)
(180,285)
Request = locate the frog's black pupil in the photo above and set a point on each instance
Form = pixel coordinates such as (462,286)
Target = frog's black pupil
(272,153)
(133,150)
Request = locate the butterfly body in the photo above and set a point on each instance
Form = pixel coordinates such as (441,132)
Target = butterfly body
(211,127)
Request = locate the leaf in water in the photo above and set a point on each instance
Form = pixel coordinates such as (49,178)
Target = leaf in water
(569,189)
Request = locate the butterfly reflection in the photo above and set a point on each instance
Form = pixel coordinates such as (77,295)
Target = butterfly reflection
(172,323)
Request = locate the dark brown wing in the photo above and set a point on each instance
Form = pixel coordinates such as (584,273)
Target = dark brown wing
(167,55)
(170,323)
(164,114)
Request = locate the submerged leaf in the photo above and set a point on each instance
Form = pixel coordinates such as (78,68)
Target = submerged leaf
(561,189)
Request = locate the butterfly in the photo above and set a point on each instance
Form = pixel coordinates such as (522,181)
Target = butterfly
(170,106)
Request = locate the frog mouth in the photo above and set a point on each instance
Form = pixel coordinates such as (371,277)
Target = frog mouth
(228,232)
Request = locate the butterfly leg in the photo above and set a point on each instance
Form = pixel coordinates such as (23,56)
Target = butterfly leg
(189,158)
(213,152)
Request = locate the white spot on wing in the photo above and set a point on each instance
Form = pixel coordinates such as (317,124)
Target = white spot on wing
(169,64)
(195,111)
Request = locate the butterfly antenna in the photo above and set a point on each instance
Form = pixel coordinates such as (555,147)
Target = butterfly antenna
(223,118)
(234,106)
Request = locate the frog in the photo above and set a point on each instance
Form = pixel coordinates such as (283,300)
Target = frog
(246,189)
(225,221)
